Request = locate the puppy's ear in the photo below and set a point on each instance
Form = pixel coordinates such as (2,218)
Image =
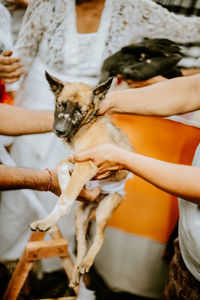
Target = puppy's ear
(101,90)
(55,84)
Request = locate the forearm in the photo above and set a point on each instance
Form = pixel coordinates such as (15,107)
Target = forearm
(175,96)
(179,180)
(18,121)
(12,178)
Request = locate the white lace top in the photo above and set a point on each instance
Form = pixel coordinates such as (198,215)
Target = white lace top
(5,27)
(49,31)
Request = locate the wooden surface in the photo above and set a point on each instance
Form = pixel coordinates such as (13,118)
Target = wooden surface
(46,249)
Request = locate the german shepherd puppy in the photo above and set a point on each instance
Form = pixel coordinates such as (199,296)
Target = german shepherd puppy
(76,121)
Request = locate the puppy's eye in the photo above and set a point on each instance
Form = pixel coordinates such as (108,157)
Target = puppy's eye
(59,106)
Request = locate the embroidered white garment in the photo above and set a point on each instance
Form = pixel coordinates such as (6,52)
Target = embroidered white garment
(54,23)
(5,27)
(49,41)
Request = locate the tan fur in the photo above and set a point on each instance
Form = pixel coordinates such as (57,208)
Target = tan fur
(99,130)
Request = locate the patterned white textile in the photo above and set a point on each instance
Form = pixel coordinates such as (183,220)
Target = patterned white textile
(49,30)
(5,27)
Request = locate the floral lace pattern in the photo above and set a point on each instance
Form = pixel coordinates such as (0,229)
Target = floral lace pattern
(48,26)
(5,28)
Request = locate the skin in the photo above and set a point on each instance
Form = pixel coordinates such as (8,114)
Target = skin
(88,15)
(11,69)
(179,180)
(16,4)
(12,178)
(26,121)
(148,100)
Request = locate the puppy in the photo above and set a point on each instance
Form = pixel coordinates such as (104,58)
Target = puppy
(76,121)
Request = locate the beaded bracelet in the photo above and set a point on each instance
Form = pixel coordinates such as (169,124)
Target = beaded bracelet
(50,180)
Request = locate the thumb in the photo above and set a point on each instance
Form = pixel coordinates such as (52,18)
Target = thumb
(7,53)
(79,156)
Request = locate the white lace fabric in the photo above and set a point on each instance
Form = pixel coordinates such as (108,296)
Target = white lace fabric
(5,27)
(49,30)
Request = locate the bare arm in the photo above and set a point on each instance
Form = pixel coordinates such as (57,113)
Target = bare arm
(179,180)
(174,96)
(17,121)
(12,178)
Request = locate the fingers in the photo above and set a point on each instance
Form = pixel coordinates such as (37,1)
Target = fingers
(89,195)
(11,68)
(7,53)
(103,175)
(79,157)
(9,74)
(9,81)
(8,68)
(103,108)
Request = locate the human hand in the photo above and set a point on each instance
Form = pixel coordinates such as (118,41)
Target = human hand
(106,157)
(84,196)
(16,4)
(105,107)
(89,195)
(11,68)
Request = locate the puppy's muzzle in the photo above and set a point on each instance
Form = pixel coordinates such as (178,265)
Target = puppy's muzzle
(60,130)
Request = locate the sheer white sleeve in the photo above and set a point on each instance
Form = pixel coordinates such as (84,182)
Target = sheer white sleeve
(5,28)
(35,22)
(158,22)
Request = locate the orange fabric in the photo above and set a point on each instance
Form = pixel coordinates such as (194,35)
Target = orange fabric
(146,210)
(4,96)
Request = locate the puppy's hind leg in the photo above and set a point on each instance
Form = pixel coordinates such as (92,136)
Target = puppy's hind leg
(82,219)
(81,174)
(103,213)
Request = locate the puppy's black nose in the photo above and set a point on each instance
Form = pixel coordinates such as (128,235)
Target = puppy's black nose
(59,131)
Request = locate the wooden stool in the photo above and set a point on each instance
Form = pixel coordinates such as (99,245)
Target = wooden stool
(37,249)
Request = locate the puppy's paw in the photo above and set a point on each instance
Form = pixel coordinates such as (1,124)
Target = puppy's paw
(85,267)
(40,226)
(75,279)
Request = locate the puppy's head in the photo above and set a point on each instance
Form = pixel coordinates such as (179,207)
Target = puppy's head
(75,104)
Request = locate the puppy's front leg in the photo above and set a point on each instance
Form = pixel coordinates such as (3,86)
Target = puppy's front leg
(81,174)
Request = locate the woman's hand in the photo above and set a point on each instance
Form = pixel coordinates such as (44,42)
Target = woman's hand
(11,68)
(107,158)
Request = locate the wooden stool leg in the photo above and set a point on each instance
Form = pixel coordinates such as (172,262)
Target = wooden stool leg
(21,272)
(66,261)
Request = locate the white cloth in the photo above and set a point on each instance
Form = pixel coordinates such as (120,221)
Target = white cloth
(5,27)
(48,40)
(189,230)
(6,38)
(109,187)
